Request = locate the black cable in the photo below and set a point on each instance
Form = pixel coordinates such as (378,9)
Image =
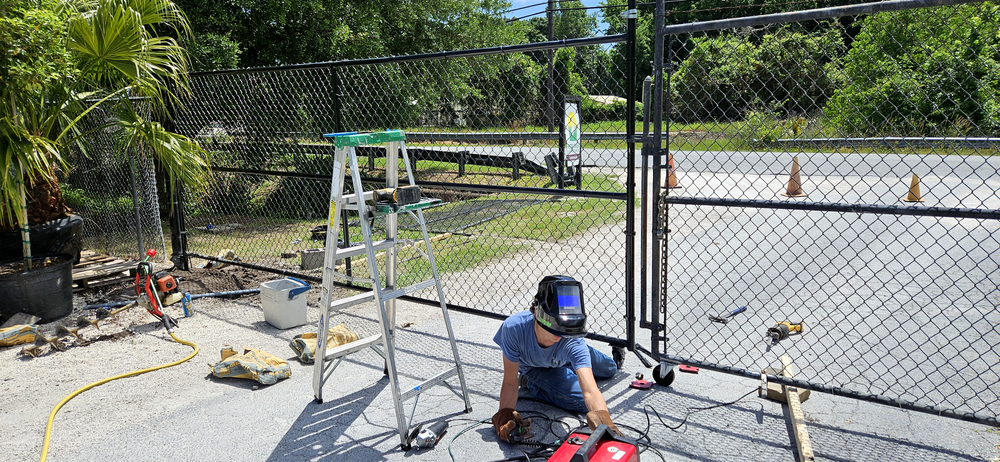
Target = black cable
(557,10)
(524,7)
(691,410)
(643,441)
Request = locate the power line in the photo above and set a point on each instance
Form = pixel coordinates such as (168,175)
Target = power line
(524,7)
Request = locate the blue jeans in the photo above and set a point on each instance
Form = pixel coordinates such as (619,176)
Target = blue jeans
(560,387)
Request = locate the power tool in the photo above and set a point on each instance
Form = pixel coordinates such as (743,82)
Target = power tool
(157,290)
(782,330)
(403,195)
(601,445)
(429,436)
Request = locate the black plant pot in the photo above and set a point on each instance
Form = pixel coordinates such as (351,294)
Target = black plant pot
(46,292)
(57,236)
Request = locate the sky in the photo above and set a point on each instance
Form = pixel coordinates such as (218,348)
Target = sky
(541,10)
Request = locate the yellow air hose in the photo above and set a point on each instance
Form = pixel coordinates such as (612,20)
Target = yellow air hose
(52,416)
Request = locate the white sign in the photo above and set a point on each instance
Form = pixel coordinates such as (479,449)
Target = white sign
(571,131)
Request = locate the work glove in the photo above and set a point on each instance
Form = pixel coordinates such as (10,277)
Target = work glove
(595,418)
(507,420)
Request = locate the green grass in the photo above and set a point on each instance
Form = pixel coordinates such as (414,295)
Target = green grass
(263,239)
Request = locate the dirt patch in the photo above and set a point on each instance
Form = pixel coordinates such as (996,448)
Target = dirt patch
(36,263)
(194,281)
(128,321)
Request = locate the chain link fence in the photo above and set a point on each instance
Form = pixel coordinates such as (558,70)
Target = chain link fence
(478,131)
(115,192)
(842,172)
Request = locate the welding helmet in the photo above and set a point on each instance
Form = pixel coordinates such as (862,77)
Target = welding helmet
(559,306)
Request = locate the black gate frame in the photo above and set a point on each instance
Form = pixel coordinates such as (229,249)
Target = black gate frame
(661,200)
(181,255)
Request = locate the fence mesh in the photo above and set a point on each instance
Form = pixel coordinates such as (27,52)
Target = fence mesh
(469,121)
(115,192)
(796,147)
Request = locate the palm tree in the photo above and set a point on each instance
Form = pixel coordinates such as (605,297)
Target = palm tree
(64,59)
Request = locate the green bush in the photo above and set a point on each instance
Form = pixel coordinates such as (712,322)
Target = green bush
(80,201)
(594,111)
(728,76)
(905,77)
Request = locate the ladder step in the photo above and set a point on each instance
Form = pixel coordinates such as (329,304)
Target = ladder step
(359,249)
(352,198)
(408,289)
(358,299)
(355,346)
(428,383)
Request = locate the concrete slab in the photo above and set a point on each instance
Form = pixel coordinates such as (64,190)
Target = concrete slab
(183,413)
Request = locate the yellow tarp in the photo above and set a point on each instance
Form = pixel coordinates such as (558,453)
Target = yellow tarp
(16,335)
(305,344)
(252,364)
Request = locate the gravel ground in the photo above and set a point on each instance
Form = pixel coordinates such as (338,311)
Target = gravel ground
(185,413)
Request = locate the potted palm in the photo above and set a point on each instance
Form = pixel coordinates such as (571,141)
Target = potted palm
(61,60)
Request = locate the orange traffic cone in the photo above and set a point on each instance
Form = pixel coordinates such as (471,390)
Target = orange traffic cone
(794,181)
(671,182)
(914,194)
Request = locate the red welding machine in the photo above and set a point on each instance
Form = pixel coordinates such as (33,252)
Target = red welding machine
(600,446)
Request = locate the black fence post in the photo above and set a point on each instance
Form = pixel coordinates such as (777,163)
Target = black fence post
(630,188)
(463,158)
(516,157)
(178,231)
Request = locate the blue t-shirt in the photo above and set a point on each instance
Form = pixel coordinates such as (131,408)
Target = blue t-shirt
(517,340)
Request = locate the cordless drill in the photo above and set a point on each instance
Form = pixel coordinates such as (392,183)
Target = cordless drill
(403,195)
(782,330)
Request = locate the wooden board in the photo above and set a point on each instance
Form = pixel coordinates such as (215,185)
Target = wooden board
(799,431)
(95,270)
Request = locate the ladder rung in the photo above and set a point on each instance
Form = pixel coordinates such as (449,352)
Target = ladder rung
(359,249)
(358,299)
(352,198)
(427,384)
(408,289)
(355,346)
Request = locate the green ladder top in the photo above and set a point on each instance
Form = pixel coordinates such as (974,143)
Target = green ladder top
(343,140)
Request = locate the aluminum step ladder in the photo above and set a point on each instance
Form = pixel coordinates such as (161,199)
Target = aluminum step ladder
(384,297)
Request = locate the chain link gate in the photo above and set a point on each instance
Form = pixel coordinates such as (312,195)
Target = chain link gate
(476,128)
(796,140)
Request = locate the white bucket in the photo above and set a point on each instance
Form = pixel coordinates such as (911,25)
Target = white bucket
(284,302)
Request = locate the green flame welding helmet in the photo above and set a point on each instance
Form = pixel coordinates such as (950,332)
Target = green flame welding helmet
(559,306)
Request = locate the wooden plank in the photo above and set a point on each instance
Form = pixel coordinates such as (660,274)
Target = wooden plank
(799,431)
(90,284)
(91,259)
(101,270)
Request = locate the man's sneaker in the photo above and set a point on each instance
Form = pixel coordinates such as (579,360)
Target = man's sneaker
(522,381)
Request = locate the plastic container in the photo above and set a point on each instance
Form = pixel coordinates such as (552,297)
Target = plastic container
(284,302)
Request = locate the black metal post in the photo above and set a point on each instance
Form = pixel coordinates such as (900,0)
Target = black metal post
(550,96)
(629,177)
(178,231)
(178,228)
(655,326)
(562,142)
(647,149)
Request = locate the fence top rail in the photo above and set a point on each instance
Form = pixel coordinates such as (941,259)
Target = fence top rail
(907,141)
(807,15)
(521,48)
